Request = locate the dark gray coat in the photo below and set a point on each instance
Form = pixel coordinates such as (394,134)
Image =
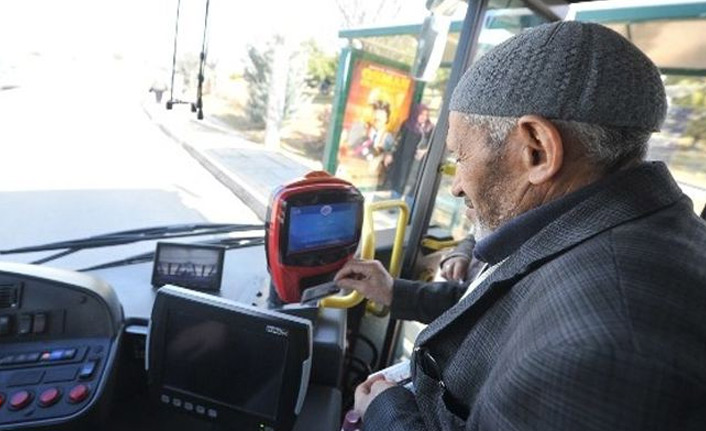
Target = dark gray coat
(598,322)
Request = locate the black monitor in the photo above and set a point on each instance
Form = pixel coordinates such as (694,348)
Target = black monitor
(195,266)
(230,363)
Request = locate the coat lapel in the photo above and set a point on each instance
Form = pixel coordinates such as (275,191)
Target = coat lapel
(628,195)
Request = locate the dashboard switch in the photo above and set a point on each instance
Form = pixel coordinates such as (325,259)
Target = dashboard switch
(4,325)
(87,370)
(2,399)
(78,393)
(20,400)
(24,325)
(40,323)
(49,397)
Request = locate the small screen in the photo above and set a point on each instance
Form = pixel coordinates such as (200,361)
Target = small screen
(188,266)
(320,226)
(227,365)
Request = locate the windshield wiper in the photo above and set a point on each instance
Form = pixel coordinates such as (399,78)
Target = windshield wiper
(228,243)
(130,236)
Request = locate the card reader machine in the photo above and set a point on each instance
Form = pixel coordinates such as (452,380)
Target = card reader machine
(313,228)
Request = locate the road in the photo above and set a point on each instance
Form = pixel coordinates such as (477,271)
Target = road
(80,157)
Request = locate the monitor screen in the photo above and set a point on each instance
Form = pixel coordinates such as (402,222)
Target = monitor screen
(188,265)
(224,364)
(314,227)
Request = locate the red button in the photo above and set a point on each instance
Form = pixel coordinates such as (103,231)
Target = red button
(2,399)
(20,400)
(78,393)
(49,397)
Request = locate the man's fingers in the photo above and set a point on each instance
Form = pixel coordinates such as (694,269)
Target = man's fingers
(459,270)
(364,388)
(445,272)
(354,269)
(352,284)
(380,385)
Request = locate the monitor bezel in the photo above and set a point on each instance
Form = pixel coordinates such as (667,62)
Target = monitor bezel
(157,281)
(297,365)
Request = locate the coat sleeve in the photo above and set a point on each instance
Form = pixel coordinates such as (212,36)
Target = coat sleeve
(463,249)
(395,409)
(423,302)
(578,388)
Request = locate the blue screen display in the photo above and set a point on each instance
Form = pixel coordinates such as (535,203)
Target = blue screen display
(320,226)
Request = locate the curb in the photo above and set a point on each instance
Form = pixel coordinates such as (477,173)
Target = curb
(257,203)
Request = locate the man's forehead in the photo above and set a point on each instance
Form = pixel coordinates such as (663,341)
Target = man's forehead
(458,127)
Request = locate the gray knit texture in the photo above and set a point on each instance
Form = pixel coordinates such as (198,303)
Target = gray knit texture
(567,71)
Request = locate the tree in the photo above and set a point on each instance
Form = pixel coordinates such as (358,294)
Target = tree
(320,66)
(258,75)
(355,13)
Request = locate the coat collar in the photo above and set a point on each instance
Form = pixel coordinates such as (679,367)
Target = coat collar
(625,196)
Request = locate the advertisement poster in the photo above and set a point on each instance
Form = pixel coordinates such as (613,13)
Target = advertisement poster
(378,103)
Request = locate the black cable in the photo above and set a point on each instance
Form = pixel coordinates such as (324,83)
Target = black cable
(366,366)
(373,349)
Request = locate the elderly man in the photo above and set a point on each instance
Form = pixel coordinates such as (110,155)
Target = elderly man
(591,311)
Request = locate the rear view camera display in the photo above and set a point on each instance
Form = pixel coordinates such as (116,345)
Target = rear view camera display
(187,265)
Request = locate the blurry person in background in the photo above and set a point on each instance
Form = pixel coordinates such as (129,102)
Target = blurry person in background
(411,147)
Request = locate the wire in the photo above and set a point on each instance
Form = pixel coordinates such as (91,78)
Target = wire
(366,366)
(373,349)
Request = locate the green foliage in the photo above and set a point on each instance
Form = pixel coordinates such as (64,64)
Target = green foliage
(320,65)
(258,72)
(696,128)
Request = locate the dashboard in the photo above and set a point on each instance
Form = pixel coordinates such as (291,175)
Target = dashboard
(72,347)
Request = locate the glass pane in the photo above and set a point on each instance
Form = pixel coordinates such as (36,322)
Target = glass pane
(682,142)
(388,118)
(678,45)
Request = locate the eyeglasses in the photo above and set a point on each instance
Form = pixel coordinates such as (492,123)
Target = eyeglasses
(422,358)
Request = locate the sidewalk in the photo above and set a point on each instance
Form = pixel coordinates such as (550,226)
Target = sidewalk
(249,170)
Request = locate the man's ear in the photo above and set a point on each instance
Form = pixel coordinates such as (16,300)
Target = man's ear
(543,148)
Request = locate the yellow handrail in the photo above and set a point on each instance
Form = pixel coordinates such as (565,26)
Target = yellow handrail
(368,251)
(436,245)
(448,169)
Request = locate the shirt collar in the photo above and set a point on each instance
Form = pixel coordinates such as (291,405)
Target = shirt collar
(510,236)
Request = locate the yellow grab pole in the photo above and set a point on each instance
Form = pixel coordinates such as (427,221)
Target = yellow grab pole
(368,251)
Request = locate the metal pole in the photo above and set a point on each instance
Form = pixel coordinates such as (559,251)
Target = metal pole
(431,176)
(176,36)
(425,195)
(202,62)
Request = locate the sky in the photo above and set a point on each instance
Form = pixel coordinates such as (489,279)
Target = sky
(142,31)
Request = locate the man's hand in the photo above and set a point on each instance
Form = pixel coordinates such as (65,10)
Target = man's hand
(366,392)
(455,268)
(369,278)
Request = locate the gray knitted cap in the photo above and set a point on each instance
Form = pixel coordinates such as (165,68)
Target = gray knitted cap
(567,71)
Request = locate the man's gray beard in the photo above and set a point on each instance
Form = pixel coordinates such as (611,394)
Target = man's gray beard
(481,231)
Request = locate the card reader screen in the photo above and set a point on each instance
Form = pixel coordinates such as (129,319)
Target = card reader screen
(314,227)
(226,365)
